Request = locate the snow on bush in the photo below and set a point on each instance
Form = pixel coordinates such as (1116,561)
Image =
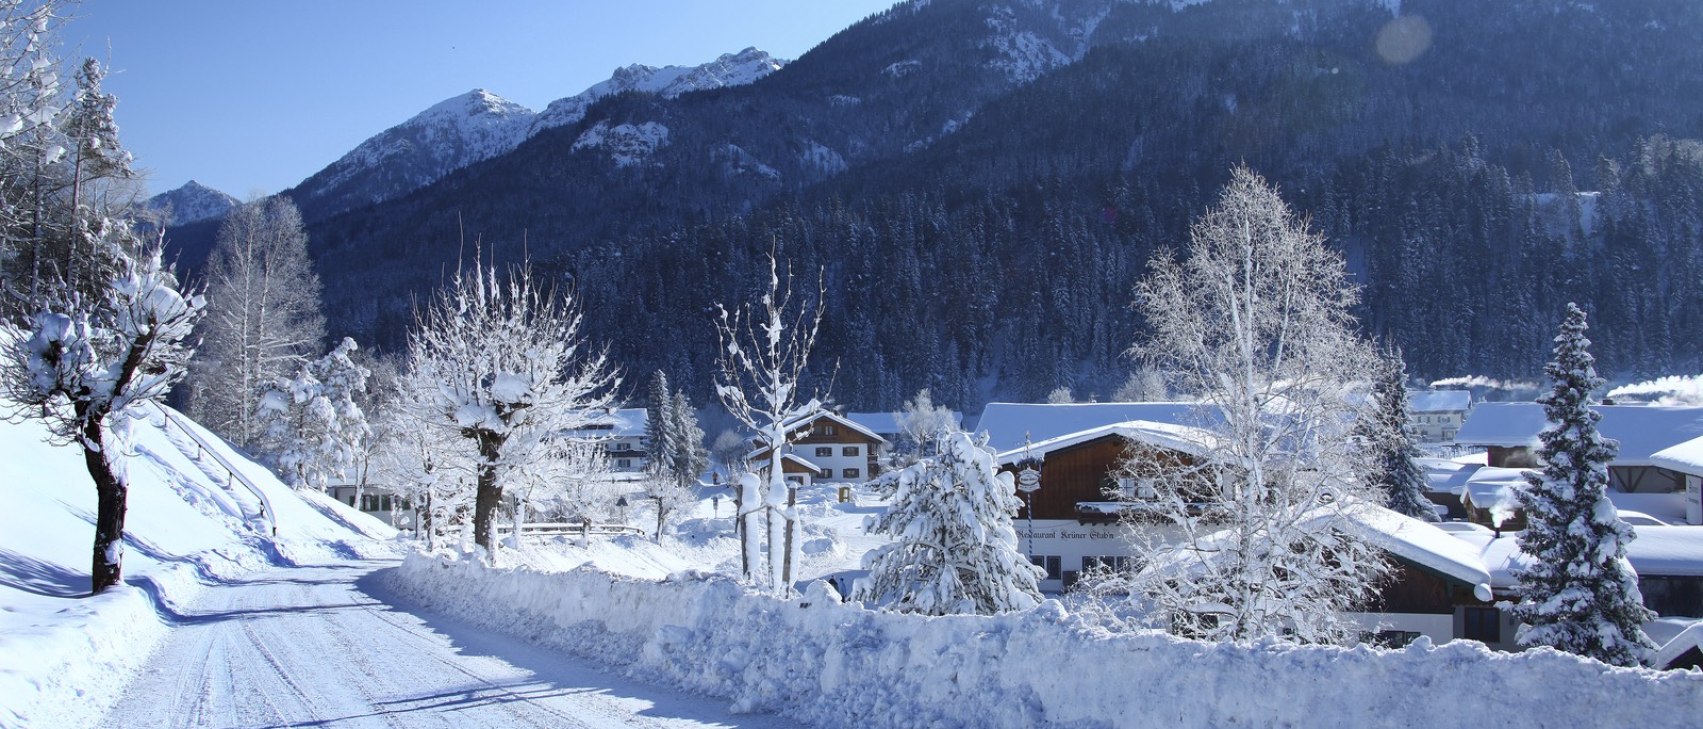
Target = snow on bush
(816,660)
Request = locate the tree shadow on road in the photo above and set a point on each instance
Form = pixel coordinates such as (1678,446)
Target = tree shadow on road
(556,673)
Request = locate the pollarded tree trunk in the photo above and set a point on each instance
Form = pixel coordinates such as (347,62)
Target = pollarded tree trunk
(110,498)
(490,493)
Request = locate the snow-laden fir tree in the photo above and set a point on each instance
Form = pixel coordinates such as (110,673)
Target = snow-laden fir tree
(503,365)
(1390,468)
(1257,321)
(658,400)
(677,454)
(1579,593)
(954,549)
(765,349)
(86,366)
(311,424)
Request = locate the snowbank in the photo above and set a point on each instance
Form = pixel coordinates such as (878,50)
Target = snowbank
(829,664)
(65,656)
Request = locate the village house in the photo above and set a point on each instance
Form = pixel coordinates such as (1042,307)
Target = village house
(624,435)
(1435,416)
(1439,587)
(825,447)
(1639,481)
(1668,560)
(379,502)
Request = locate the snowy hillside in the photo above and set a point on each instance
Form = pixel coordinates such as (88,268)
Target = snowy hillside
(452,134)
(190,203)
(730,69)
(190,522)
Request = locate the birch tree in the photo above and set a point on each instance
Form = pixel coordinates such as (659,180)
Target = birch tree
(85,366)
(1257,320)
(765,348)
(263,317)
(503,365)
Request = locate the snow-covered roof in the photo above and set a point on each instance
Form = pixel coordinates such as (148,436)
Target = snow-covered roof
(886,423)
(1505,424)
(1685,457)
(618,423)
(1689,639)
(836,417)
(1496,489)
(1402,536)
(1008,425)
(1438,401)
(1674,551)
(1643,430)
(1184,438)
(1445,476)
(1419,542)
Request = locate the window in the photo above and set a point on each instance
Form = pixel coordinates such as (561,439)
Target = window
(851,473)
(1113,563)
(827,473)
(827,429)
(848,451)
(623,463)
(824,451)
(1052,563)
(384,503)
(1483,624)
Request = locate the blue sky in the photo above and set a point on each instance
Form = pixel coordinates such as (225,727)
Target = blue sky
(252,97)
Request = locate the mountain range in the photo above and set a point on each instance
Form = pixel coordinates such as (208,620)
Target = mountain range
(982,181)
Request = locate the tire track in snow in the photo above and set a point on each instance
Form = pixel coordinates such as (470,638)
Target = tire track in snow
(309,647)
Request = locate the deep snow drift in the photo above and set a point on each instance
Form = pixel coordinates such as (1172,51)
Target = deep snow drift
(63,655)
(819,661)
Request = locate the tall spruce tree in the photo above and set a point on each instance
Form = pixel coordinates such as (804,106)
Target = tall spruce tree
(1391,469)
(1579,594)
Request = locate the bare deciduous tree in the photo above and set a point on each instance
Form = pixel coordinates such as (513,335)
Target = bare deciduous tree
(263,315)
(1257,320)
(502,364)
(765,349)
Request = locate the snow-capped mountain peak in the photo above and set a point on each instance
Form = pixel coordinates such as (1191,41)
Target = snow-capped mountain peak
(729,69)
(188,204)
(449,135)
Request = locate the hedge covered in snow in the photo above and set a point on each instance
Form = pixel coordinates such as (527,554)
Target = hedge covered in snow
(830,664)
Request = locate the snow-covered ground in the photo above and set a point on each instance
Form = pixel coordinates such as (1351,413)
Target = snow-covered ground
(64,655)
(330,646)
(828,664)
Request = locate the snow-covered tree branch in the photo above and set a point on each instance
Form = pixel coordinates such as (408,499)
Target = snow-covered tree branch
(1257,320)
(84,367)
(765,348)
(502,364)
(955,550)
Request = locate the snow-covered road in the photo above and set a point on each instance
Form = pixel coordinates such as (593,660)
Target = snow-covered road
(328,647)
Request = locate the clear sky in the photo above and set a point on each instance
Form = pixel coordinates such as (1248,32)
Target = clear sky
(251,97)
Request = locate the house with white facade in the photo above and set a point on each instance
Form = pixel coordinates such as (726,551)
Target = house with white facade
(825,447)
(624,437)
(1435,416)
